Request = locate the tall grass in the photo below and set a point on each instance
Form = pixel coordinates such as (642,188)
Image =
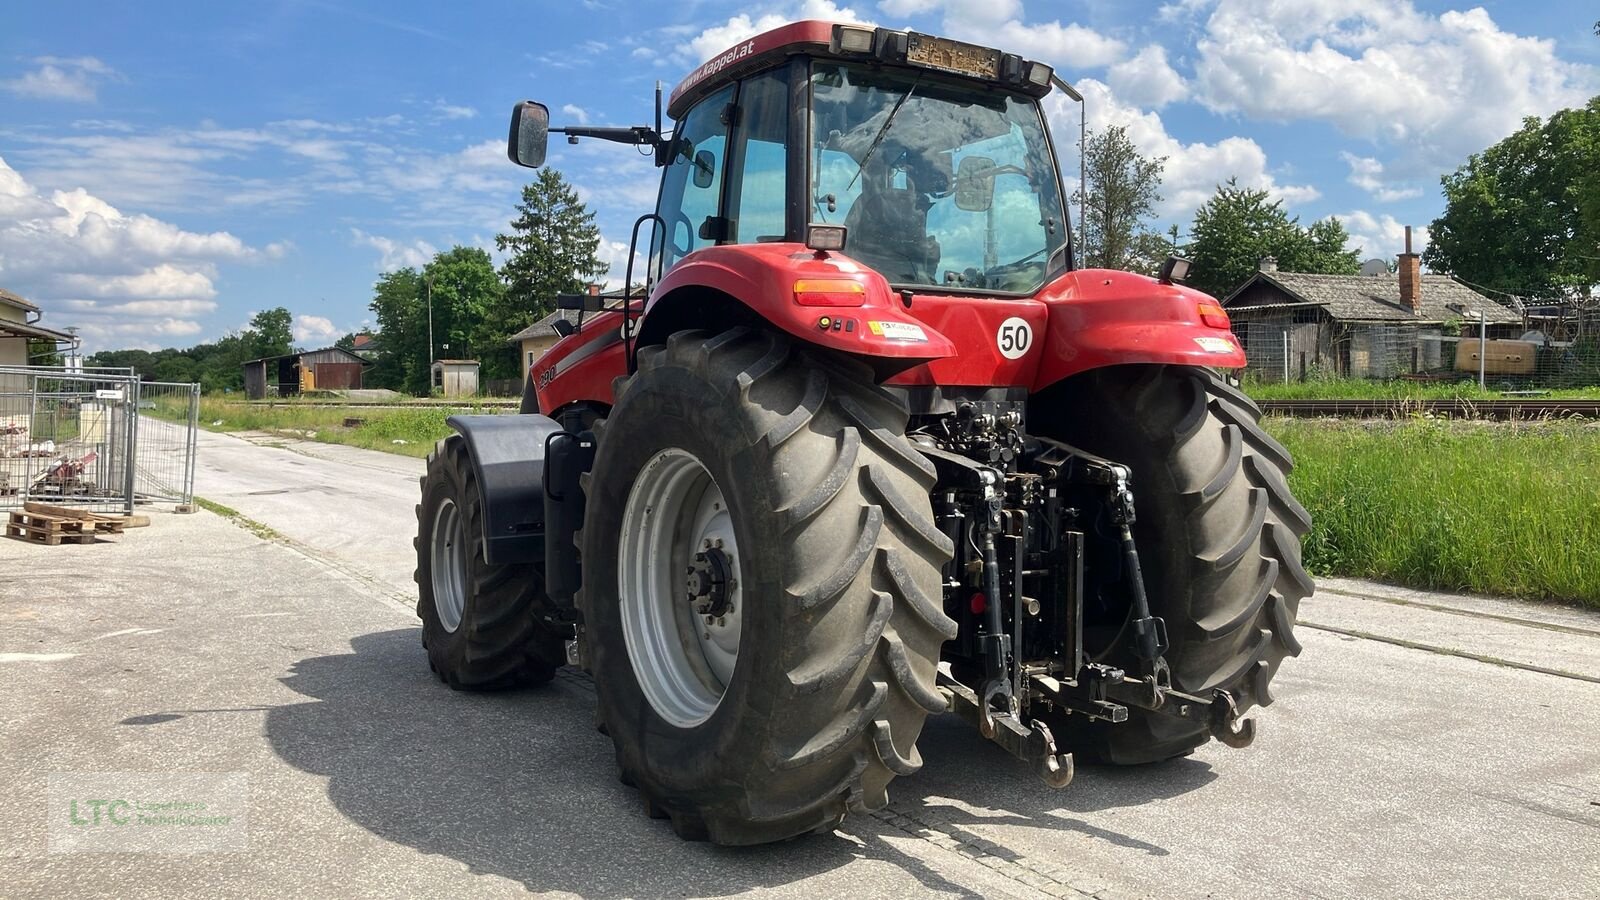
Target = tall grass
(1511,509)
(414,428)
(1364,389)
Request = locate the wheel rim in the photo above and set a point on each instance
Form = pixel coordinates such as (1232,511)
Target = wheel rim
(675,519)
(448,562)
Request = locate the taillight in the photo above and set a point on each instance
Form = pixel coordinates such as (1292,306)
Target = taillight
(1213,315)
(829,292)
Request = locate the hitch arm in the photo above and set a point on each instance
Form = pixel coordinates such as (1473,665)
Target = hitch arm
(1033,744)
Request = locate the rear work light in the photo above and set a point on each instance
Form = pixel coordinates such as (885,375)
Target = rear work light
(1213,315)
(829,292)
(851,39)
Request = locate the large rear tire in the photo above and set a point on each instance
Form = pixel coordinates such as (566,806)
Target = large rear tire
(803,696)
(1218,535)
(485,627)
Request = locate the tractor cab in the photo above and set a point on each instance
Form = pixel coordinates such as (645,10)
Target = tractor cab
(925,159)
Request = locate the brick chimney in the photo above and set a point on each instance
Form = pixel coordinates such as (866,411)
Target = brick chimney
(594,289)
(1269,264)
(1411,277)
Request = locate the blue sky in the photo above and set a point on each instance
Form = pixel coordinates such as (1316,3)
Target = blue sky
(168,169)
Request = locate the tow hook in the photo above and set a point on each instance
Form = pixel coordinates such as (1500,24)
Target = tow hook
(1226,726)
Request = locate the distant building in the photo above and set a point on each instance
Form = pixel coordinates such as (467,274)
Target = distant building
(535,340)
(19,324)
(455,377)
(1377,325)
(365,346)
(329,369)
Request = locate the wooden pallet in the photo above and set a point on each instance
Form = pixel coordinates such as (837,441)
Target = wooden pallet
(104,523)
(52,530)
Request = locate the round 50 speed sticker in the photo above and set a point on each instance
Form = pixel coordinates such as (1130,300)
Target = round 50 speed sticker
(1014,338)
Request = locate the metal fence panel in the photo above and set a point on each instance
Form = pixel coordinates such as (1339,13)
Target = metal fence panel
(67,438)
(168,414)
(100,440)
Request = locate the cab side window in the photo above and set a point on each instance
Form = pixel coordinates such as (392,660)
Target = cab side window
(757,193)
(691,188)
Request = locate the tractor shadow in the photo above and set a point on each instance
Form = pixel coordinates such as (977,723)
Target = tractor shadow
(522,785)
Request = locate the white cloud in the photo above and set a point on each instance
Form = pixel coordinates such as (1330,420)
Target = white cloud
(315,329)
(115,274)
(1192,171)
(718,38)
(1147,79)
(577,112)
(448,111)
(164,281)
(1367,173)
(1435,88)
(74,79)
(1381,236)
(396,254)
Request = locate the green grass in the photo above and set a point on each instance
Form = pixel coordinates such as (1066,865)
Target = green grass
(417,427)
(1363,389)
(1498,508)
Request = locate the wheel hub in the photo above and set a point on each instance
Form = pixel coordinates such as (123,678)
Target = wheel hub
(709,582)
(678,583)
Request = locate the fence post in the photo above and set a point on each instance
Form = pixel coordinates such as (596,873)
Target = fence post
(1286,356)
(131,462)
(194,435)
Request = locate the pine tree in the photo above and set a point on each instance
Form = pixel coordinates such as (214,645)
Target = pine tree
(551,250)
(1123,189)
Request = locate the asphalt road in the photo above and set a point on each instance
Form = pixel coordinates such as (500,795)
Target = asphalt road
(1422,745)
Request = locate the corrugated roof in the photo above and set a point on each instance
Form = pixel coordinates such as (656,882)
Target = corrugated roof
(20,329)
(1376,298)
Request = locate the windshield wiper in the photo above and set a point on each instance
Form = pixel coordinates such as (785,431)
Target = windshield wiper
(884,131)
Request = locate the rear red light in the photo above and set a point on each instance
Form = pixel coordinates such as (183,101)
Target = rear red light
(829,292)
(1213,315)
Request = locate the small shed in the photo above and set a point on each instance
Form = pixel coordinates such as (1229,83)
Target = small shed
(328,369)
(456,377)
(1360,326)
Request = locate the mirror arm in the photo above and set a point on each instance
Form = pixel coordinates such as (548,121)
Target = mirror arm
(637,134)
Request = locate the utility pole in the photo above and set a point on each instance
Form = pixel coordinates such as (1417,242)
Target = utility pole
(429,282)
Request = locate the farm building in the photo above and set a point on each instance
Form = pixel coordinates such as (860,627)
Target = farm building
(1377,325)
(19,327)
(329,369)
(533,341)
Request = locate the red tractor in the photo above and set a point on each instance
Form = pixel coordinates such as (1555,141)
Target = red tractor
(866,447)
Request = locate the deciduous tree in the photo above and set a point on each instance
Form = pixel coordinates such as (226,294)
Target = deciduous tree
(1238,226)
(1123,188)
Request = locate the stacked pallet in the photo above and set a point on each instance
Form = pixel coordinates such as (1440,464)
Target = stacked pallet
(50,524)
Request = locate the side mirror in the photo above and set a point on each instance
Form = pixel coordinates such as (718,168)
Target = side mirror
(530,134)
(975,184)
(705,169)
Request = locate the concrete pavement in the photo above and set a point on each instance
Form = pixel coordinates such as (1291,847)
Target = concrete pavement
(1398,762)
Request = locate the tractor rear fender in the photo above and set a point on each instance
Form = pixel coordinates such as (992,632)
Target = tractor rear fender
(1102,318)
(826,299)
(507,454)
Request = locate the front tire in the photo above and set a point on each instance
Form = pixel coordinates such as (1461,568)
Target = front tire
(1218,535)
(796,466)
(485,627)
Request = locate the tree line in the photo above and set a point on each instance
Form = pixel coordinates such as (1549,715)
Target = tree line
(457,306)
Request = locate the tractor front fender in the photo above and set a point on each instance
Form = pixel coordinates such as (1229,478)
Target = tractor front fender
(1104,318)
(507,454)
(767,282)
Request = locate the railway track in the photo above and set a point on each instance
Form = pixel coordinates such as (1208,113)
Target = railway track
(1519,410)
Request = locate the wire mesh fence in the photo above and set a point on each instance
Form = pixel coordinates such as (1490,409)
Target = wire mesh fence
(1282,348)
(78,437)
